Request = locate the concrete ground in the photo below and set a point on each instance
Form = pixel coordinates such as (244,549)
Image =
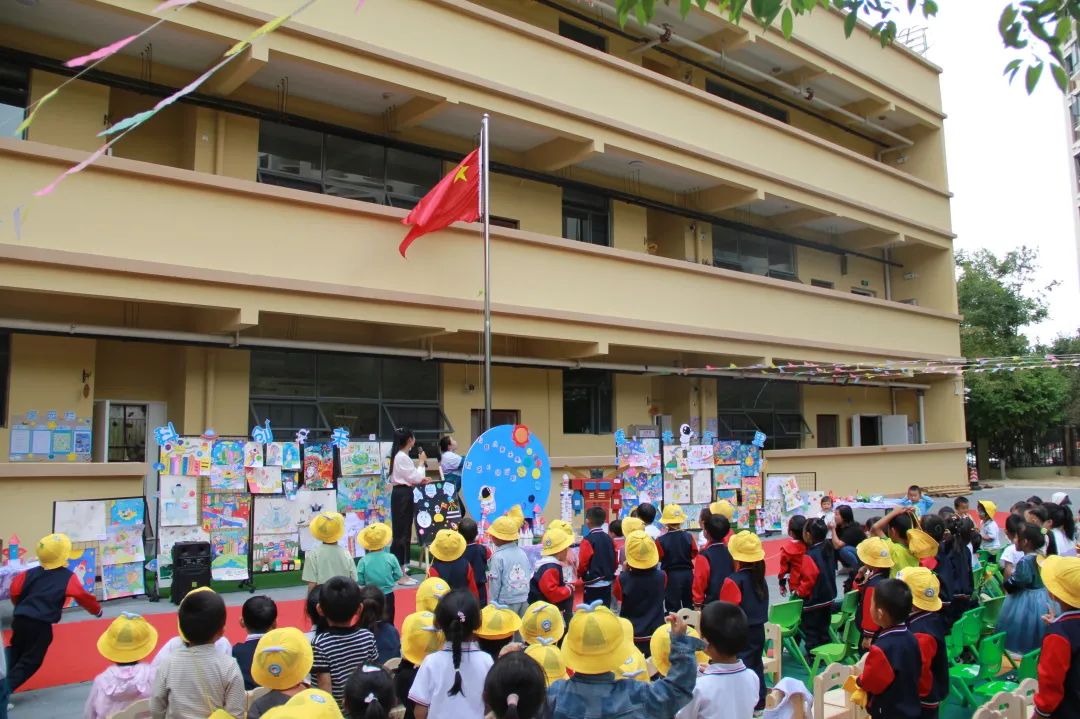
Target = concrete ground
(67,701)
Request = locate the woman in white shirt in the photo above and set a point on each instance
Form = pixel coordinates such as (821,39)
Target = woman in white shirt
(405,475)
(449,459)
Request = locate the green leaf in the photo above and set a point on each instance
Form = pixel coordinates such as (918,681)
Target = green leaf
(1008,17)
(1031,78)
(849,23)
(1061,78)
(929,8)
(1011,69)
(640,14)
(787,23)
(911,5)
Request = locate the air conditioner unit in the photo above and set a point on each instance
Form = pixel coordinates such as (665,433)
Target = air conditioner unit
(912,301)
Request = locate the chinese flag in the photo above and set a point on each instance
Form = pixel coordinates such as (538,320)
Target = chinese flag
(455,199)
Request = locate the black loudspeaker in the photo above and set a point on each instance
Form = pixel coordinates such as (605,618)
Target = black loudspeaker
(191,568)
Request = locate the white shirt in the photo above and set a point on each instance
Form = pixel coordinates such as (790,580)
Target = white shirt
(450,462)
(991,534)
(405,471)
(653,531)
(221,646)
(436,676)
(723,691)
(1065,547)
(1010,555)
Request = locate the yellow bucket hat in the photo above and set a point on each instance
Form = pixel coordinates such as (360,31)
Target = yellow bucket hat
(542,621)
(746,547)
(375,537)
(672,514)
(723,508)
(53,550)
(129,638)
(561,524)
(633,667)
(448,545)
(419,637)
(516,515)
(550,659)
(430,591)
(328,527)
(314,704)
(641,551)
(660,648)
(555,540)
(594,642)
(504,528)
(921,544)
(282,659)
(1061,575)
(925,587)
(498,621)
(632,524)
(873,552)
(989,507)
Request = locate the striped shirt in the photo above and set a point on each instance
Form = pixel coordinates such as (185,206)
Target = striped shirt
(339,652)
(195,681)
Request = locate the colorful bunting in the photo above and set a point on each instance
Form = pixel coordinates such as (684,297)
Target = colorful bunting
(102,53)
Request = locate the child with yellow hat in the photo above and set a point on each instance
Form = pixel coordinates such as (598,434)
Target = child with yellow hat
(595,648)
(419,638)
(547,581)
(677,552)
(328,558)
(542,621)
(308,704)
(549,657)
(1059,683)
(926,623)
(39,595)
(876,560)
(281,663)
(634,665)
(378,566)
(430,591)
(597,558)
(746,587)
(894,528)
(498,624)
(989,530)
(449,562)
(641,589)
(509,568)
(128,640)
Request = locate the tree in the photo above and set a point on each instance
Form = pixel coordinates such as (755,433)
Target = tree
(1011,411)
(1064,345)
(1039,28)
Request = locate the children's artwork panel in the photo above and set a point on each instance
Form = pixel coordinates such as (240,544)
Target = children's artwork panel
(319,466)
(80,520)
(437,508)
(283,454)
(726,452)
(640,487)
(167,538)
(772,515)
(122,580)
(310,502)
(752,492)
(727,476)
(253,454)
(225,510)
(730,494)
(128,511)
(693,514)
(677,490)
(701,486)
(263,480)
(360,458)
(365,495)
(700,456)
(789,490)
(83,564)
(813,503)
(189,456)
(179,501)
(227,464)
(749,460)
(229,549)
(275,553)
(50,436)
(505,466)
(123,544)
(676,462)
(274,515)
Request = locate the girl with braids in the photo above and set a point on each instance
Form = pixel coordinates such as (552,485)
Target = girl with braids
(954,569)
(369,694)
(1062,529)
(1027,601)
(450,682)
(515,688)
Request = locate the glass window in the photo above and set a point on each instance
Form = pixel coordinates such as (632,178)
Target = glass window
(773,407)
(282,374)
(360,418)
(14,96)
(410,176)
(348,376)
(410,379)
(287,417)
(289,153)
(587,401)
(354,169)
(127,432)
(423,421)
(585,217)
(577,34)
(747,101)
(756,254)
(726,247)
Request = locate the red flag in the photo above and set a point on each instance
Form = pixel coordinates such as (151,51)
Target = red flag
(456,198)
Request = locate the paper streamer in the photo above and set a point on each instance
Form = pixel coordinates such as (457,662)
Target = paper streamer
(102,53)
(129,123)
(72,170)
(169,4)
(267,28)
(33,113)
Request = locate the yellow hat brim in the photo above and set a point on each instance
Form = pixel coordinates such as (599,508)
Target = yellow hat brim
(444,556)
(555,549)
(886,562)
(1050,571)
(333,537)
(504,536)
(609,661)
(642,564)
(927,605)
(55,564)
(747,557)
(131,654)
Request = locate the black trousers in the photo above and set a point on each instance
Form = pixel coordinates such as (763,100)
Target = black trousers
(30,640)
(930,712)
(402,509)
(591,594)
(755,645)
(679,593)
(644,645)
(815,626)
(388,609)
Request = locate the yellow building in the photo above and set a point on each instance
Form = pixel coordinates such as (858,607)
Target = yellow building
(669,199)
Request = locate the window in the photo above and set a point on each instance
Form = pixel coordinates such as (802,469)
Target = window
(127,432)
(751,103)
(1072,58)
(14,96)
(585,217)
(828,430)
(367,395)
(863,292)
(773,407)
(824,284)
(507,222)
(498,416)
(1074,110)
(756,254)
(344,167)
(5,374)
(577,34)
(587,401)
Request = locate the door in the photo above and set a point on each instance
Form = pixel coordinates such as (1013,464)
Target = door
(828,430)
(894,429)
(124,432)
(865,430)
(498,417)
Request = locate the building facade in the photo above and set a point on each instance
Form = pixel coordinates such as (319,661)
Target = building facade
(673,202)
(1072,110)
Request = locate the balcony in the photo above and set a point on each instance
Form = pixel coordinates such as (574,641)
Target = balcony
(198,242)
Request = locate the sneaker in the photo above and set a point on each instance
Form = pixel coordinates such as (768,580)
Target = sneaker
(407,581)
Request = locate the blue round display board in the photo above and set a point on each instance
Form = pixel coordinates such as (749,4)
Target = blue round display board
(507,465)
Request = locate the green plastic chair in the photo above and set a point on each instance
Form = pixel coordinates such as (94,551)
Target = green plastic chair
(788,616)
(834,652)
(1029,669)
(964,677)
(954,641)
(847,611)
(973,629)
(991,611)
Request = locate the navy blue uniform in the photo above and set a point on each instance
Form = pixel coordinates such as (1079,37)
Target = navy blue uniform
(1059,669)
(929,631)
(817,610)
(477,556)
(641,592)
(677,552)
(711,567)
(757,613)
(596,565)
(888,676)
(547,585)
(457,573)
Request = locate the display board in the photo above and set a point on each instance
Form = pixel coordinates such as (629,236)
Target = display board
(108,539)
(437,507)
(50,436)
(505,466)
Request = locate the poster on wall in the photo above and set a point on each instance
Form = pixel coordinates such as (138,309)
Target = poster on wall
(81,521)
(83,564)
(505,466)
(751,492)
(749,460)
(222,510)
(128,511)
(227,465)
(229,549)
(437,508)
(700,456)
(122,580)
(264,480)
(273,515)
(726,452)
(283,454)
(188,456)
(123,544)
(319,466)
(360,458)
(49,436)
(275,553)
(727,476)
(179,501)
(253,454)
(365,495)
(677,490)
(701,486)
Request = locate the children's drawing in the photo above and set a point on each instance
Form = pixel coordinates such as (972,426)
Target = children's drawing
(676,491)
(83,564)
(290,482)
(358,458)
(81,521)
(187,456)
(639,487)
(225,511)
(701,486)
(772,516)
(813,504)
(273,515)
(169,536)
(228,454)
(122,544)
(751,492)
(263,480)
(224,479)
(438,508)
(749,460)
(179,503)
(253,454)
(229,548)
(730,494)
(789,489)
(726,452)
(700,456)
(129,511)
(727,476)
(283,454)
(310,502)
(693,515)
(505,466)
(274,552)
(122,580)
(366,495)
(319,466)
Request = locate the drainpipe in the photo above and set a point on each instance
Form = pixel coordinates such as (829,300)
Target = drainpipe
(209,379)
(922,416)
(888,274)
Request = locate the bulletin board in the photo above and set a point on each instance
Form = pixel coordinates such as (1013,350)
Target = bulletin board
(108,541)
(50,436)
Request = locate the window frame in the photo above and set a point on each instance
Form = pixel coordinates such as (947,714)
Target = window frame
(743,261)
(758,410)
(586,207)
(580,35)
(596,400)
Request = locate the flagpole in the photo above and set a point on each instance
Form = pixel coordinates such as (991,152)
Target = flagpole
(485,216)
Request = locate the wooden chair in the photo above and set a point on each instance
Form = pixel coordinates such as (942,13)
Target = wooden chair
(1004,705)
(135,710)
(391,665)
(830,699)
(774,651)
(255,694)
(692,617)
